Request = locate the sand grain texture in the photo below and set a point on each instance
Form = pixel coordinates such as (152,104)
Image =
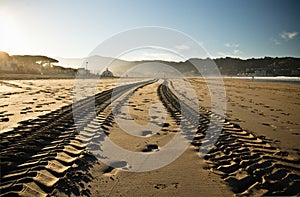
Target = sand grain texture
(42,152)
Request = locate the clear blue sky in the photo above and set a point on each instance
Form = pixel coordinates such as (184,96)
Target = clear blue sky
(240,28)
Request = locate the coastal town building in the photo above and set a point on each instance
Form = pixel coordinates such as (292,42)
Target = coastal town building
(107,73)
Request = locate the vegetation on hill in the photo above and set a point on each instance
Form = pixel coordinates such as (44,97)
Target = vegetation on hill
(31,64)
(267,66)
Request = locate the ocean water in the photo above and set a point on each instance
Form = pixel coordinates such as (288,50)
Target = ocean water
(283,79)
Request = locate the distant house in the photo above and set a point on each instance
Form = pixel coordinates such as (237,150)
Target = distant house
(260,72)
(295,73)
(107,73)
(83,71)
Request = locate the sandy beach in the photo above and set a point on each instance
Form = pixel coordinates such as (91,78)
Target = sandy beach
(149,98)
(44,153)
(268,109)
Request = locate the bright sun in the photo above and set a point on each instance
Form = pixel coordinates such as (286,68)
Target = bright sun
(9,35)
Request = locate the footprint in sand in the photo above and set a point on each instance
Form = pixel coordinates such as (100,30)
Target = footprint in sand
(269,125)
(160,186)
(151,148)
(114,168)
(146,133)
(4,119)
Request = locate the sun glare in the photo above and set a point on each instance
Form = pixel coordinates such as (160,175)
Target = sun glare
(9,35)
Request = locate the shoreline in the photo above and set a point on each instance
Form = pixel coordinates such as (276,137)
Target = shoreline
(279,79)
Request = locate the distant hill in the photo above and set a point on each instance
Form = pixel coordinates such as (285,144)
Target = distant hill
(33,59)
(96,64)
(31,64)
(267,66)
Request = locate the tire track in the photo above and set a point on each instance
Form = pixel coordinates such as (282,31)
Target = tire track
(48,152)
(250,164)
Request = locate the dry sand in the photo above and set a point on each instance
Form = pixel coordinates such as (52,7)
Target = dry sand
(265,110)
(185,176)
(268,109)
(27,99)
